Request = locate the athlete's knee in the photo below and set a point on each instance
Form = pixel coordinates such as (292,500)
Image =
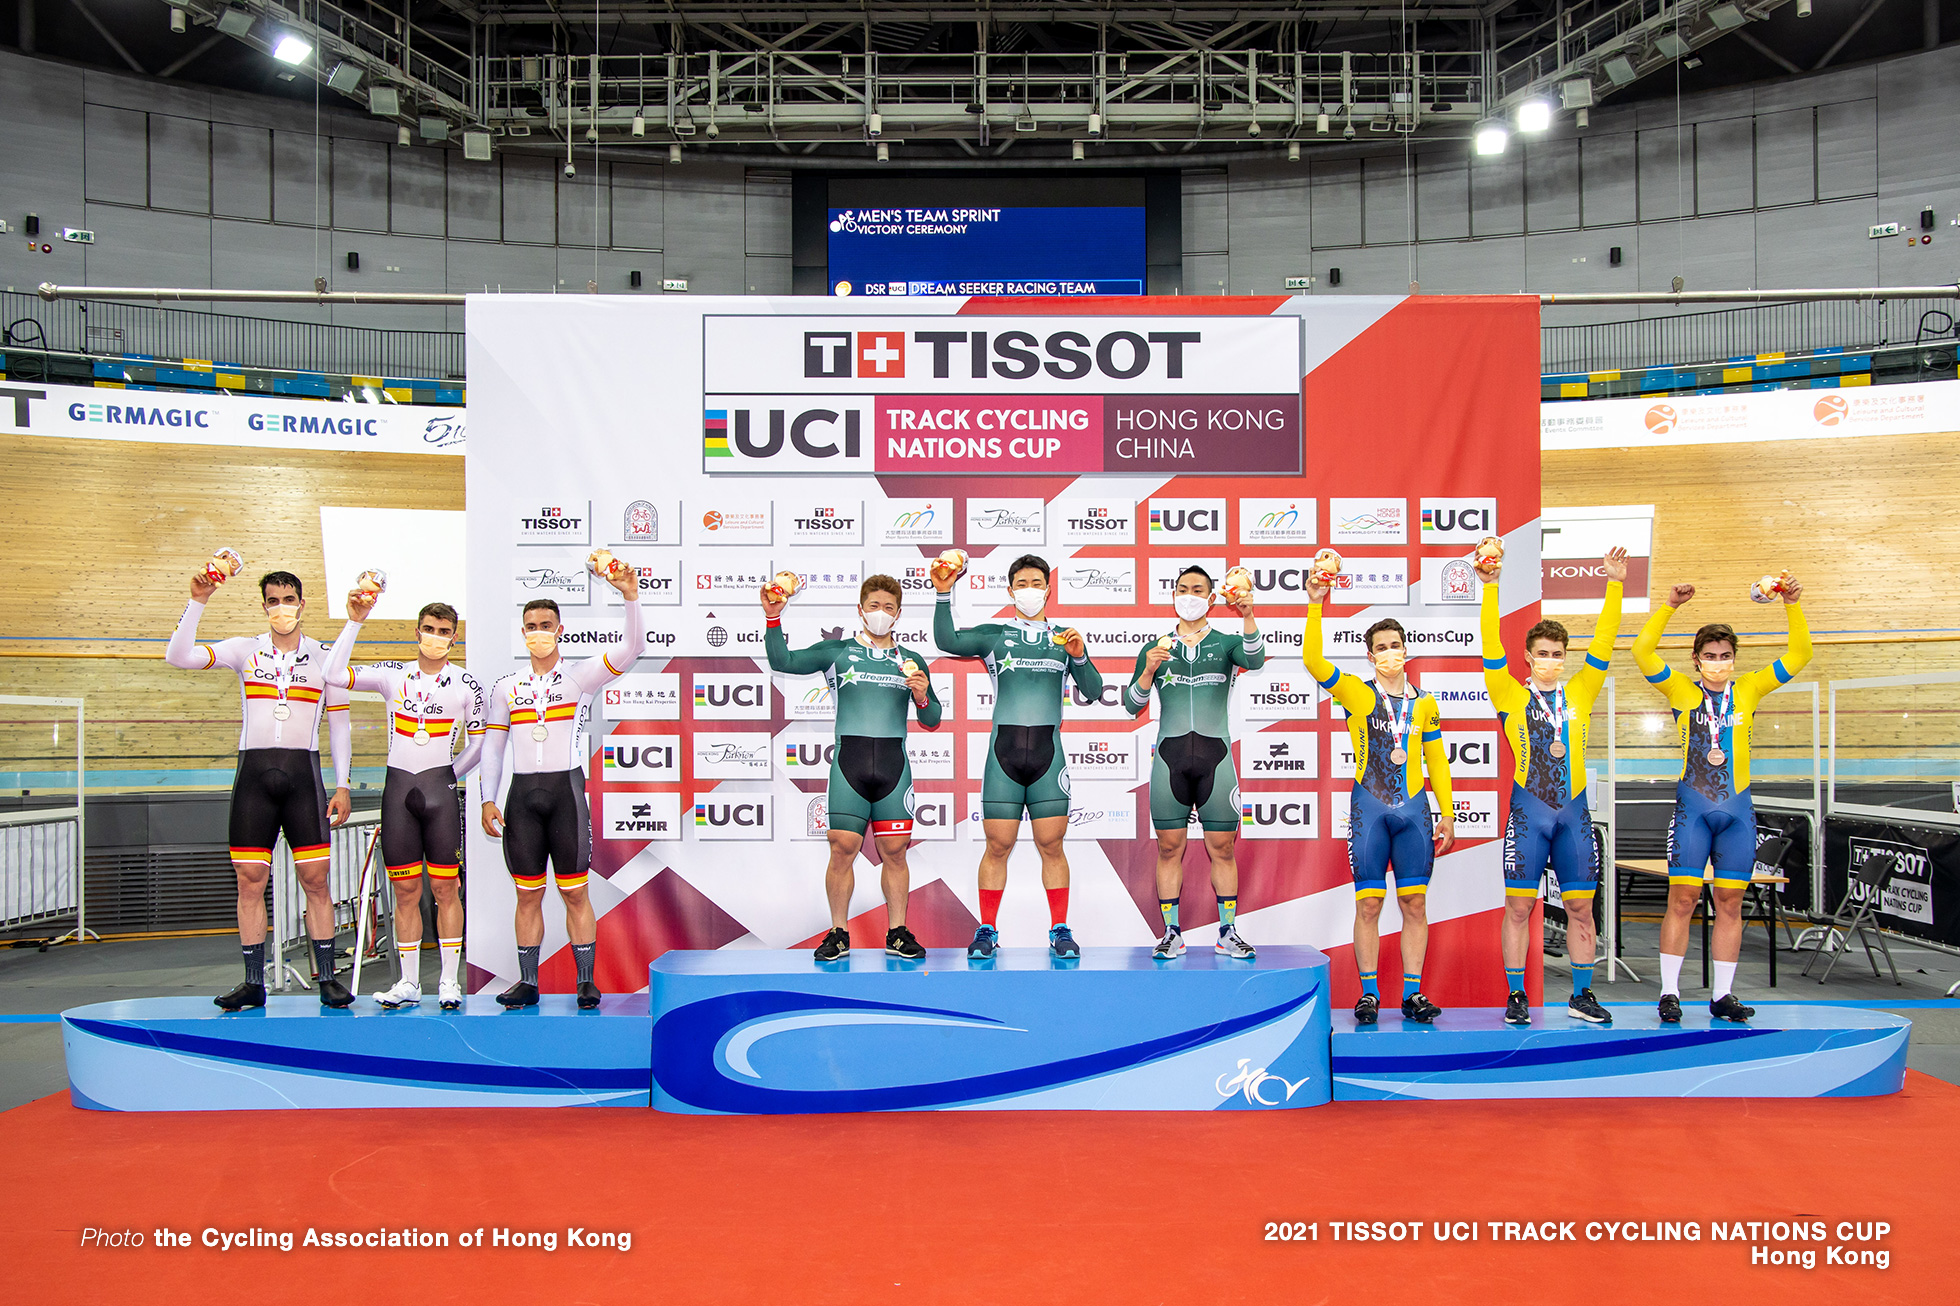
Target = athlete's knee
(892,849)
(574,897)
(1368,909)
(312,875)
(1415,906)
(1170,842)
(844,844)
(1728,901)
(1222,845)
(251,875)
(1681,899)
(1518,909)
(446,888)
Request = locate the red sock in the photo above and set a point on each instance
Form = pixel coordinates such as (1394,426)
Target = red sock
(1058,906)
(990,905)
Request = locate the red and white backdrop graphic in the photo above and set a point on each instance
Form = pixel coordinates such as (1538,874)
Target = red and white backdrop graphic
(713,442)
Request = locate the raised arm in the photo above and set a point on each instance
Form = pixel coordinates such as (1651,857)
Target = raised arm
(1251,650)
(797,661)
(970,643)
(1506,694)
(1782,671)
(183,651)
(1599,653)
(593,673)
(1350,692)
(1681,694)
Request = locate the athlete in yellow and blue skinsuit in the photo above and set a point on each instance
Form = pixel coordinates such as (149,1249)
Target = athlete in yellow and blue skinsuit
(1713,815)
(1388,818)
(1550,820)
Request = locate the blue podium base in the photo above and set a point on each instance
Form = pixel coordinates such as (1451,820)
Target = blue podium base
(183,1054)
(1786,1051)
(777,1033)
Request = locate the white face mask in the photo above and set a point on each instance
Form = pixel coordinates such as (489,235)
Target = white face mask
(878,621)
(284,617)
(541,643)
(1191,607)
(1030,601)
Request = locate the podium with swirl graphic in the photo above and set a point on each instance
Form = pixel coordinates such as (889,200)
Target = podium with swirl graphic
(770,1033)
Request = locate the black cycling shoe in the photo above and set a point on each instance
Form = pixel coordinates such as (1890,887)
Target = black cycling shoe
(1420,1009)
(335,994)
(1517,1008)
(1367,1009)
(588,995)
(1729,1007)
(245,995)
(1584,1006)
(1670,1009)
(518,995)
(900,943)
(835,945)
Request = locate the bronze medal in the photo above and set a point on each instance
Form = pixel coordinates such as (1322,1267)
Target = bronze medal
(1716,757)
(1398,756)
(1557,750)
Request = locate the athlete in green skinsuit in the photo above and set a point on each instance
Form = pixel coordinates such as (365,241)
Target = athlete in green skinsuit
(874,679)
(1026,767)
(1192,673)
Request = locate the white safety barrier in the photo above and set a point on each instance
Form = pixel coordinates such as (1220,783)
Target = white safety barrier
(42,861)
(348,845)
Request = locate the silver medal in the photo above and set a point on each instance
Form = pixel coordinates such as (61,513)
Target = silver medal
(1557,749)
(281,711)
(1398,756)
(421,734)
(540,732)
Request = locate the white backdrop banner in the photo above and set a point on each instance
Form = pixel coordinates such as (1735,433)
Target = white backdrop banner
(713,442)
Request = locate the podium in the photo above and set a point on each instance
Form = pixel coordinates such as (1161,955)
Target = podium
(766,1033)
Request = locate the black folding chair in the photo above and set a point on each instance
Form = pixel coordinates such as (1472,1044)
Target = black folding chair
(1852,917)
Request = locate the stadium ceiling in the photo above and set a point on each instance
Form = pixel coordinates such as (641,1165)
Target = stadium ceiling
(1026,81)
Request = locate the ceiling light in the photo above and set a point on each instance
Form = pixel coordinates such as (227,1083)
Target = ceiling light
(176,19)
(875,126)
(592,132)
(235,22)
(1492,137)
(713,129)
(639,124)
(1095,124)
(1252,129)
(1075,151)
(291,49)
(884,152)
(1293,151)
(401,136)
(1320,125)
(1534,116)
(674,153)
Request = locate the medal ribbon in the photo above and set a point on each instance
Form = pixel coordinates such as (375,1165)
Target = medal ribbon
(540,699)
(1399,722)
(1555,709)
(282,676)
(1715,717)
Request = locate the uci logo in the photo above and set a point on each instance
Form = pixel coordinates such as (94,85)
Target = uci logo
(1111,695)
(799,754)
(1470,752)
(753,816)
(1276,814)
(812,433)
(1196,521)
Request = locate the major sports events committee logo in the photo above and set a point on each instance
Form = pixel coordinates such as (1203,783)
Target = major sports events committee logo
(917,521)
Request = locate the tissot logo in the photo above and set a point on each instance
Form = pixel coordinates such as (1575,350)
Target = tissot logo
(555,523)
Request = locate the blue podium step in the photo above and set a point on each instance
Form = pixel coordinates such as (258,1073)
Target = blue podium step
(183,1054)
(1786,1051)
(776,1033)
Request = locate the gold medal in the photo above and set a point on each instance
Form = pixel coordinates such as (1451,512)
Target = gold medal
(540,732)
(281,711)
(1716,757)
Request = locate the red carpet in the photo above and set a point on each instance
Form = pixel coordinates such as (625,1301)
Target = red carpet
(988,1208)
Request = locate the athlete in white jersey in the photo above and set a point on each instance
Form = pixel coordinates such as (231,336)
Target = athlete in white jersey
(431,705)
(536,711)
(286,682)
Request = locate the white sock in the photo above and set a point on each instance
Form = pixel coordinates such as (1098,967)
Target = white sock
(1724,980)
(411,955)
(452,956)
(1671,975)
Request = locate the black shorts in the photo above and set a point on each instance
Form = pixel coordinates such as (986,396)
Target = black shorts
(421,821)
(278,791)
(546,820)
